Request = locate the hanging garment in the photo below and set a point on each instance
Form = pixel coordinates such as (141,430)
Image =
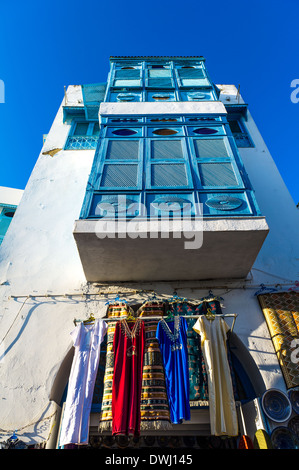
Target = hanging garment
(222,408)
(117,309)
(154,403)
(128,346)
(87,341)
(198,379)
(172,337)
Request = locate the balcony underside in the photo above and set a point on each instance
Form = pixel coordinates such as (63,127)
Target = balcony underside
(212,249)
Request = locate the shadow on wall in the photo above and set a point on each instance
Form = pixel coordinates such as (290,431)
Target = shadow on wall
(248,370)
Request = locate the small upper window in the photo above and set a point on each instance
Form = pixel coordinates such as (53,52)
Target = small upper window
(161,97)
(9,213)
(124,132)
(205,131)
(81,128)
(196,96)
(157,66)
(126,97)
(165,132)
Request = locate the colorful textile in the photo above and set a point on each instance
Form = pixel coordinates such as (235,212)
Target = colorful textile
(114,310)
(154,403)
(198,379)
(128,346)
(281,311)
(87,341)
(222,407)
(172,337)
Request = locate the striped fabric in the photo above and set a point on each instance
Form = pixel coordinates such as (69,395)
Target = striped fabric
(154,402)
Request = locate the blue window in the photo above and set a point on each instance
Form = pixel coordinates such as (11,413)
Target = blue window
(127,77)
(83,135)
(120,165)
(190,76)
(239,131)
(167,164)
(6,214)
(159,78)
(215,164)
(178,159)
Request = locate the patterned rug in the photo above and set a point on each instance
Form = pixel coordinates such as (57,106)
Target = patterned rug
(281,311)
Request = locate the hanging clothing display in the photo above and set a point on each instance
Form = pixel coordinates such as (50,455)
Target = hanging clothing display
(128,347)
(116,309)
(223,415)
(87,341)
(172,337)
(198,379)
(154,402)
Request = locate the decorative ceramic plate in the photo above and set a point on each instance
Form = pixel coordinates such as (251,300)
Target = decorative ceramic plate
(294,399)
(293,425)
(283,438)
(114,204)
(276,405)
(224,203)
(175,202)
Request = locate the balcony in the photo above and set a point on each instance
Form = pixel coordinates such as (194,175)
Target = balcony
(152,157)
(216,248)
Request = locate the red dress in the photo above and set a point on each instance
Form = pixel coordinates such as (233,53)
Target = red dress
(128,346)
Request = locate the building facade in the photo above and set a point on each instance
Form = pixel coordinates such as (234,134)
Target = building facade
(153,187)
(9,200)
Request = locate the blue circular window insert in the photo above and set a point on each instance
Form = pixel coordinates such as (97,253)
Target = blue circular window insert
(224,203)
(124,132)
(161,97)
(205,131)
(196,96)
(126,97)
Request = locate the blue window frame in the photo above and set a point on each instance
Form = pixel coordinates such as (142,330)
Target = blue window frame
(214,163)
(84,135)
(189,76)
(159,78)
(167,164)
(120,165)
(163,157)
(239,131)
(127,77)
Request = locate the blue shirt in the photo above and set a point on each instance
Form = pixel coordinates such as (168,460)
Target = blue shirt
(172,337)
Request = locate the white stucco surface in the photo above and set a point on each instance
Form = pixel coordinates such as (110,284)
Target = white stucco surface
(11,196)
(173,107)
(40,269)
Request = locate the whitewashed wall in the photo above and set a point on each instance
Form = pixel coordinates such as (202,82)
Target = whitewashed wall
(39,258)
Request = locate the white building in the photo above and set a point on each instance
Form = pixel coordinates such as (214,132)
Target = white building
(55,266)
(9,200)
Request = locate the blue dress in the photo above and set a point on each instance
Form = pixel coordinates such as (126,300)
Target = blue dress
(172,337)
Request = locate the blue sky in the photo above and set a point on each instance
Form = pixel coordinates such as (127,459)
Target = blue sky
(46,45)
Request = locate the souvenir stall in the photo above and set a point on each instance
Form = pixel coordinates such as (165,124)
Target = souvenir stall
(154,365)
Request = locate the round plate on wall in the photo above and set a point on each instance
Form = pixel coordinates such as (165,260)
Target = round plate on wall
(224,203)
(276,405)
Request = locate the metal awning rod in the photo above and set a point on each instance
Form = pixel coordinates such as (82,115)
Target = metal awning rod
(233,315)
